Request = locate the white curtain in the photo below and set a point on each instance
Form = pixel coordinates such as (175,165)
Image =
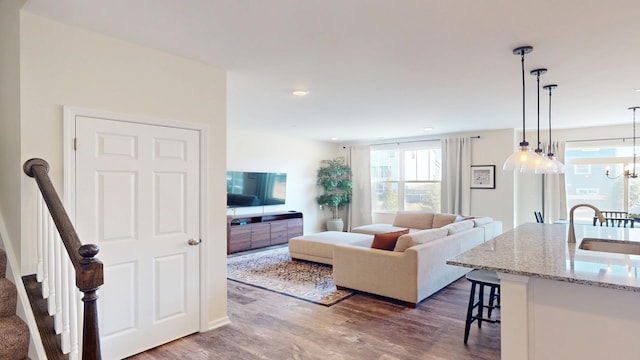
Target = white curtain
(554,196)
(360,209)
(456,176)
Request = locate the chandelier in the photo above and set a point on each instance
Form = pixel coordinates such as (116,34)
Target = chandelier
(628,172)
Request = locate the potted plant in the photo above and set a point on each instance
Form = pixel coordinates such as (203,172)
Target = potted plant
(334,176)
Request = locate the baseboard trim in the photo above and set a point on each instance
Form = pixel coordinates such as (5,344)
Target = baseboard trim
(219,322)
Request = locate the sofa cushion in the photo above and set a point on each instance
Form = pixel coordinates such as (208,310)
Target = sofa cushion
(419,237)
(440,220)
(482,221)
(462,218)
(376,229)
(413,219)
(457,227)
(319,246)
(387,241)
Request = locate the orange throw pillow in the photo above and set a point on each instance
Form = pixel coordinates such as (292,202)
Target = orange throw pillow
(387,241)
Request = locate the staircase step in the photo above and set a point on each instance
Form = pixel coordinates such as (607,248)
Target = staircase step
(3,263)
(8,298)
(14,338)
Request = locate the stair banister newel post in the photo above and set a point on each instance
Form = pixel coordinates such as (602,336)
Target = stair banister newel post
(88,269)
(90,274)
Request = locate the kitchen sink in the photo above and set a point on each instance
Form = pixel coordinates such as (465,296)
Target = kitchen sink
(613,246)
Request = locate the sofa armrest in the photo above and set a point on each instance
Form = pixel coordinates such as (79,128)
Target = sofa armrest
(411,275)
(381,272)
(432,259)
(491,229)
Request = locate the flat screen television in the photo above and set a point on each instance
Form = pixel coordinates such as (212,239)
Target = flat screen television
(255,188)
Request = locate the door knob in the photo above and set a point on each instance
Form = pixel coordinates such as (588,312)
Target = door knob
(194,242)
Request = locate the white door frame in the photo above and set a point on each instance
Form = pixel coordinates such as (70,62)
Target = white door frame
(69,131)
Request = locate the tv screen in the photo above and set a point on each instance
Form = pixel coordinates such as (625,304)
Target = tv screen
(255,188)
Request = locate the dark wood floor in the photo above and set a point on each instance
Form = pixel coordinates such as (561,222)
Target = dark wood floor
(266,325)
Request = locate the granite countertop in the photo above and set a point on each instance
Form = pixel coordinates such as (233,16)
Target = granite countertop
(541,250)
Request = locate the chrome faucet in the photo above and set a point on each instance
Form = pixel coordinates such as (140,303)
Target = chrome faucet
(572,233)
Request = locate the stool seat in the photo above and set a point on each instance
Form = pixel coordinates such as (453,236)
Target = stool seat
(480,278)
(482,275)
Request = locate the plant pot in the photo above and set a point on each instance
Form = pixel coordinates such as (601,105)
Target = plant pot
(335,225)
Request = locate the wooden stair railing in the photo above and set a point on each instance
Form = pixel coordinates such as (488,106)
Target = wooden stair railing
(88,269)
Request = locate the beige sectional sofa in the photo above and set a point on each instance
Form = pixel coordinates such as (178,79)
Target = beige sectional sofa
(414,270)
(319,247)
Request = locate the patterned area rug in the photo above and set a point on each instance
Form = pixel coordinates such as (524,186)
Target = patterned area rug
(273,270)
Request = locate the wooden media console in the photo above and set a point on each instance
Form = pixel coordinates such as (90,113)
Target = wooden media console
(252,231)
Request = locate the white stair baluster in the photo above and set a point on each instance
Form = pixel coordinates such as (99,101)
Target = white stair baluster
(66,305)
(40,229)
(51,304)
(57,318)
(45,254)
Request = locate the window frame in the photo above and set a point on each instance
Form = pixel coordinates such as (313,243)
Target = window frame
(401,183)
(602,160)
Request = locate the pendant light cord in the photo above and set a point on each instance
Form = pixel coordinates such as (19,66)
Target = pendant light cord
(538,150)
(634,175)
(550,153)
(537,73)
(524,141)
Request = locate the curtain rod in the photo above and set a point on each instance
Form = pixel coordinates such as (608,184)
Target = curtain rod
(604,139)
(417,141)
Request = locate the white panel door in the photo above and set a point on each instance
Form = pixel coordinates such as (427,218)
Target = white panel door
(137,198)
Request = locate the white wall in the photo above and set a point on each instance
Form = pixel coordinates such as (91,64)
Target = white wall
(493,148)
(64,65)
(300,159)
(10,167)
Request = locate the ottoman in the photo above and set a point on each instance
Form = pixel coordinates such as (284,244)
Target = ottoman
(319,247)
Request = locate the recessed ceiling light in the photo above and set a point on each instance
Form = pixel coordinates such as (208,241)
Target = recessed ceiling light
(428,128)
(333,138)
(299,92)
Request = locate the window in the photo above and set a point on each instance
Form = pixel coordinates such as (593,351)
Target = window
(586,181)
(406,178)
(582,169)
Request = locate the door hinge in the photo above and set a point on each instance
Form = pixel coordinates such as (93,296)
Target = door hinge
(75,143)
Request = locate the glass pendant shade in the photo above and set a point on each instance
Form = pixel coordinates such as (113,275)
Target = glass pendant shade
(549,167)
(523,160)
(545,166)
(553,165)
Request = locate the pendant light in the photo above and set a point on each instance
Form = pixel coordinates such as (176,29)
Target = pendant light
(540,162)
(554,165)
(629,173)
(523,159)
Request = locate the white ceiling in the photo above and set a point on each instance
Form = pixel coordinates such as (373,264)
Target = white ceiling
(385,69)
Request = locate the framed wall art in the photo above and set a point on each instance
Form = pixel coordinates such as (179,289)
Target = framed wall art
(483,176)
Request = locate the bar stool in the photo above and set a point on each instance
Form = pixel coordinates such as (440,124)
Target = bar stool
(481,278)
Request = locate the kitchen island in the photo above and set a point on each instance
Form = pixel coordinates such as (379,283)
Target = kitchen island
(559,301)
